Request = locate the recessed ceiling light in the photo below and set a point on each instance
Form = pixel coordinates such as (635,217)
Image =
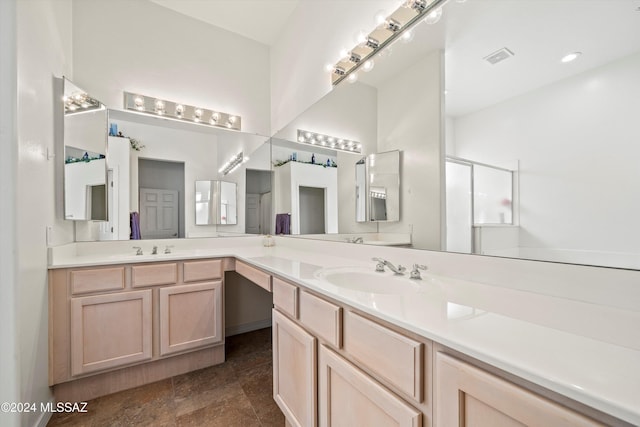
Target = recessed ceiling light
(570,57)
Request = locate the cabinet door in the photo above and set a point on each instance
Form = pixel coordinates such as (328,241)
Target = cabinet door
(348,397)
(467,396)
(190,316)
(110,330)
(294,372)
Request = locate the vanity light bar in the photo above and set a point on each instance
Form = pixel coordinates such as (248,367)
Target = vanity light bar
(183,112)
(80,102)
(402,19)
(328,141)
(233,163)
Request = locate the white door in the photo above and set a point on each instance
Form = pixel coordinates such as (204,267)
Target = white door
(108,229)
(266,226)
(459,208)
(158,213)
(252,219)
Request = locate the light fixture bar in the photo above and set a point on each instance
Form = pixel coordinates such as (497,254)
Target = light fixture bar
(80,102)
(233,163)
(393,27)
(173,110)
(328,141)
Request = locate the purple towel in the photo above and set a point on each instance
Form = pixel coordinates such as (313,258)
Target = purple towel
(283,222)
(135,226)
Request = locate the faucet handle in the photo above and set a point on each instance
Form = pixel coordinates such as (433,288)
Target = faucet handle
(167,250)
(415,272)
(138,250)
(380,265)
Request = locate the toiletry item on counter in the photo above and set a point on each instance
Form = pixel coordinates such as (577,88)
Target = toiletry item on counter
(268,241)
(328,162)
(313,159)
(294,156)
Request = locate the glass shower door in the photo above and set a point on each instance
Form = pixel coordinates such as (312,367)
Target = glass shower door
(459,206)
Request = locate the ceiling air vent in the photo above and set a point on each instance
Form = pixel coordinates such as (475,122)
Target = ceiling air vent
(498,56)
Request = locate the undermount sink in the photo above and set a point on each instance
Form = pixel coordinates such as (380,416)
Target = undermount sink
(362,280)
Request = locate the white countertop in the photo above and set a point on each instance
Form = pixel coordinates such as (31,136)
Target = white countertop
(586,351)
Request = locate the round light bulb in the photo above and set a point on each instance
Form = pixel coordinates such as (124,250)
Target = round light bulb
(368,65)
(434,16)
(380,17)
(353,77)
(329,68)
(361,37)
(407,36)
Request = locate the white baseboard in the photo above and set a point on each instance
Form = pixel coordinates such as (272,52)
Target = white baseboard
(44,418)
(247,327)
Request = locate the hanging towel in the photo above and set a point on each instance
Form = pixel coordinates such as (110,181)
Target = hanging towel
(135,226)
(283,222)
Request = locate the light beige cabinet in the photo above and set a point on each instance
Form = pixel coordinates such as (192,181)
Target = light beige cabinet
(117,327)
(110,330)
(294,371)
(371,373)
(348,397)
(190,317)
(307,326)
(469,396)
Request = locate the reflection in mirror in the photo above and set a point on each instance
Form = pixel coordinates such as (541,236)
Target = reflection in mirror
(307,181)
(383,195)
(167,156)
(565,129)
(85,168)
(216,203)
(378,187)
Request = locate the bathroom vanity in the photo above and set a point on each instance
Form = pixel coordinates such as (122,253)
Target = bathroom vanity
(349,344)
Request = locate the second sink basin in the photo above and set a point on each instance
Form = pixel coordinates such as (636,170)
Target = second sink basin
(363,280)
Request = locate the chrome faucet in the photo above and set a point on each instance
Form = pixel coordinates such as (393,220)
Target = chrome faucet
(355,240)
(383,262)
(167,250)
(415,271)
(154,251)
(138,250)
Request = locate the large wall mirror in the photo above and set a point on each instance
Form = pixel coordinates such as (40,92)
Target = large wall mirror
(510,147)
(378,187)
(216,203)
(85,167)
(157,180)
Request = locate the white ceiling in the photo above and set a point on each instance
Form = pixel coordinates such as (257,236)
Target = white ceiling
(259,20)
(539,32)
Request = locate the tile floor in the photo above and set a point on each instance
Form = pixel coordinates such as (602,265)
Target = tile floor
(235,393)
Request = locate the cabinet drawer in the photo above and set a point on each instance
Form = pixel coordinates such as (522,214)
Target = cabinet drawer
(285,297)
(321,317)
(194,271)
(155,274)
(97,279)
(391,356)
(258,277)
